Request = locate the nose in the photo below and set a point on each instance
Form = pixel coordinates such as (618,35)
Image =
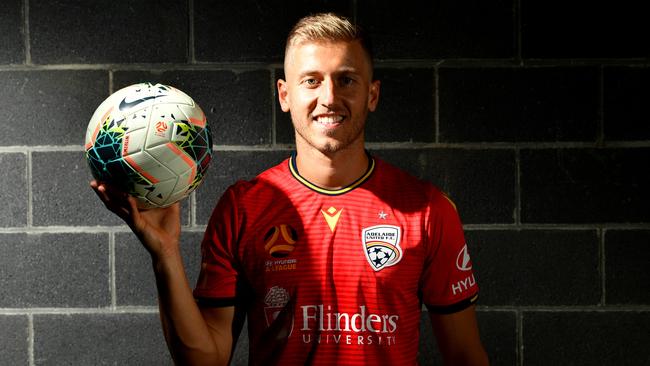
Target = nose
(327,95)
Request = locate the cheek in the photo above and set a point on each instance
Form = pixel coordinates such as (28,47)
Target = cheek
(304,101)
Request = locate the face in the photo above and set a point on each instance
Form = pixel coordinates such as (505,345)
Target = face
(328,91)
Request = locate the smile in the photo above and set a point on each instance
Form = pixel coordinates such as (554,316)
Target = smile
(329,120)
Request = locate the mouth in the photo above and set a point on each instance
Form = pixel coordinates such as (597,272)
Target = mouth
(329,120)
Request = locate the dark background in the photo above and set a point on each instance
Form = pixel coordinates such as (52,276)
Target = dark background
(532,115)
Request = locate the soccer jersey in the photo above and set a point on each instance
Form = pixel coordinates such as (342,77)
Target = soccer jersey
(335,276)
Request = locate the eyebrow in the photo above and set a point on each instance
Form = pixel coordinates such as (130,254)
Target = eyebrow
(342,70)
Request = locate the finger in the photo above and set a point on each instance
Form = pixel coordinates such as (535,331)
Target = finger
(100,191)
(115,200)
(134,211)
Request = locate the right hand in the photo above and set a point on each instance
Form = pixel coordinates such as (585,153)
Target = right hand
(158,228)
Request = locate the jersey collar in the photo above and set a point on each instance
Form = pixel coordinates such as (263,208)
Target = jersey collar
(330,192)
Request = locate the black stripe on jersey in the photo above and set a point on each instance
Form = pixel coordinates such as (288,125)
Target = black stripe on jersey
(215,302)
(330,192)
(453,308)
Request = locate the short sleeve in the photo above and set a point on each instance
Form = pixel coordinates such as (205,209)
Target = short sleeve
(217,281)
(447,283)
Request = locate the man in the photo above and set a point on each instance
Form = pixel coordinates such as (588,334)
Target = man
(330,254)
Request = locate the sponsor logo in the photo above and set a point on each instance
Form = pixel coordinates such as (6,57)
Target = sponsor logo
(381,246)
(463,285)
(276,301)
(124,105)
(125,145)
(281,265)
(320,324)
(463,261)
(332,217)
(161,127)
(280,241)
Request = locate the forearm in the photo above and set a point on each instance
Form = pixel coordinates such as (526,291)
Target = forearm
(473,356)
(186,332)
(458,338)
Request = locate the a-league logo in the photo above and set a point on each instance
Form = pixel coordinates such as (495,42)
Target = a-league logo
(381,246)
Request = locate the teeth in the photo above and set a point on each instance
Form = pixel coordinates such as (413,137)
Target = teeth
(329,119)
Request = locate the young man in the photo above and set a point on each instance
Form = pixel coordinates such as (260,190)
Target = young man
(331,254)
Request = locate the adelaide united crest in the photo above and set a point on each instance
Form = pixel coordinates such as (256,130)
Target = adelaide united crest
(381,246)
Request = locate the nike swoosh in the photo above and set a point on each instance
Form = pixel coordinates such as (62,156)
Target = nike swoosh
(126,105)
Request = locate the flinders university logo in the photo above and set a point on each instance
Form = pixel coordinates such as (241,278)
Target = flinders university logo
(381,246)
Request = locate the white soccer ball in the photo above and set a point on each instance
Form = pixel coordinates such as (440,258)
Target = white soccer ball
(150,140)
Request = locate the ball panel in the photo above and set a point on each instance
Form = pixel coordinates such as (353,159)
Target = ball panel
(175,159)
(149,167)
(159,193)
(133,141)
(194,114)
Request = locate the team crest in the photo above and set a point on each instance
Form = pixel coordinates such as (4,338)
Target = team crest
(381,246)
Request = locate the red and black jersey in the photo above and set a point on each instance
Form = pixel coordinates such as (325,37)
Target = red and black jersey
(335,276)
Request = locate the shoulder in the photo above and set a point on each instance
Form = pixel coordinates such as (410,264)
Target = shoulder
(399,179)
(270,177)
(407,187)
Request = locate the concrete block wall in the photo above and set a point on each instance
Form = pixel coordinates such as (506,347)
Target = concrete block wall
(531,115)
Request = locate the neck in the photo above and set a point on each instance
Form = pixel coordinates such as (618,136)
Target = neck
(332,171)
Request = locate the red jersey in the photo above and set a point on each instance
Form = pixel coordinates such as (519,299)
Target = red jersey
(335,276)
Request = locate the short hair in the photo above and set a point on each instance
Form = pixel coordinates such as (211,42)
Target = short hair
(328,27)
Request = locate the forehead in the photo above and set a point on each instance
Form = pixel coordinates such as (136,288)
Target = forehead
(326,56)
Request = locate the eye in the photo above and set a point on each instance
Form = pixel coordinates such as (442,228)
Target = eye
(346,81)
(310,82)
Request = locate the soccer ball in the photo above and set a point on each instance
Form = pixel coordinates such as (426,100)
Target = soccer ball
(151,141)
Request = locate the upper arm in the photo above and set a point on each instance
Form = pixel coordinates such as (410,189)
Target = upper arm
(458,337)
(224,324)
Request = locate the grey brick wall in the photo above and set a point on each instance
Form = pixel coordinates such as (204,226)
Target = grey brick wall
(532,115)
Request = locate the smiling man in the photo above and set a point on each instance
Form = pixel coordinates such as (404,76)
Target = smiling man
(331,254)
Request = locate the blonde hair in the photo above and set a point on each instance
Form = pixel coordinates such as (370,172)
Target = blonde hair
(327,27)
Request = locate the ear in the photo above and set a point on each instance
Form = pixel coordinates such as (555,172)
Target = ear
(373,95)
(283,95)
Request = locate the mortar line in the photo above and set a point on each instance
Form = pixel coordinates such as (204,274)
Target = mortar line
(595,226)
(481,308)
(192,222)
(566,308)
(519,352)
(383,146)
(201,228)
(111,86)
(26,33)
(602,263)
(30,197)
(81,229)
(191,53)
(30,339)
(600,133)
(111,266)
(436,103)
(517,212)
(518,32)
(244,66)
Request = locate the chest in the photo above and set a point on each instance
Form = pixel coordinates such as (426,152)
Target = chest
(328,248)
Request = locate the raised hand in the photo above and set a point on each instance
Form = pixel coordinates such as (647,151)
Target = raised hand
(158,228)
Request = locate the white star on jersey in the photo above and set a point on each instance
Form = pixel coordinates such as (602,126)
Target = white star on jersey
(382,215)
